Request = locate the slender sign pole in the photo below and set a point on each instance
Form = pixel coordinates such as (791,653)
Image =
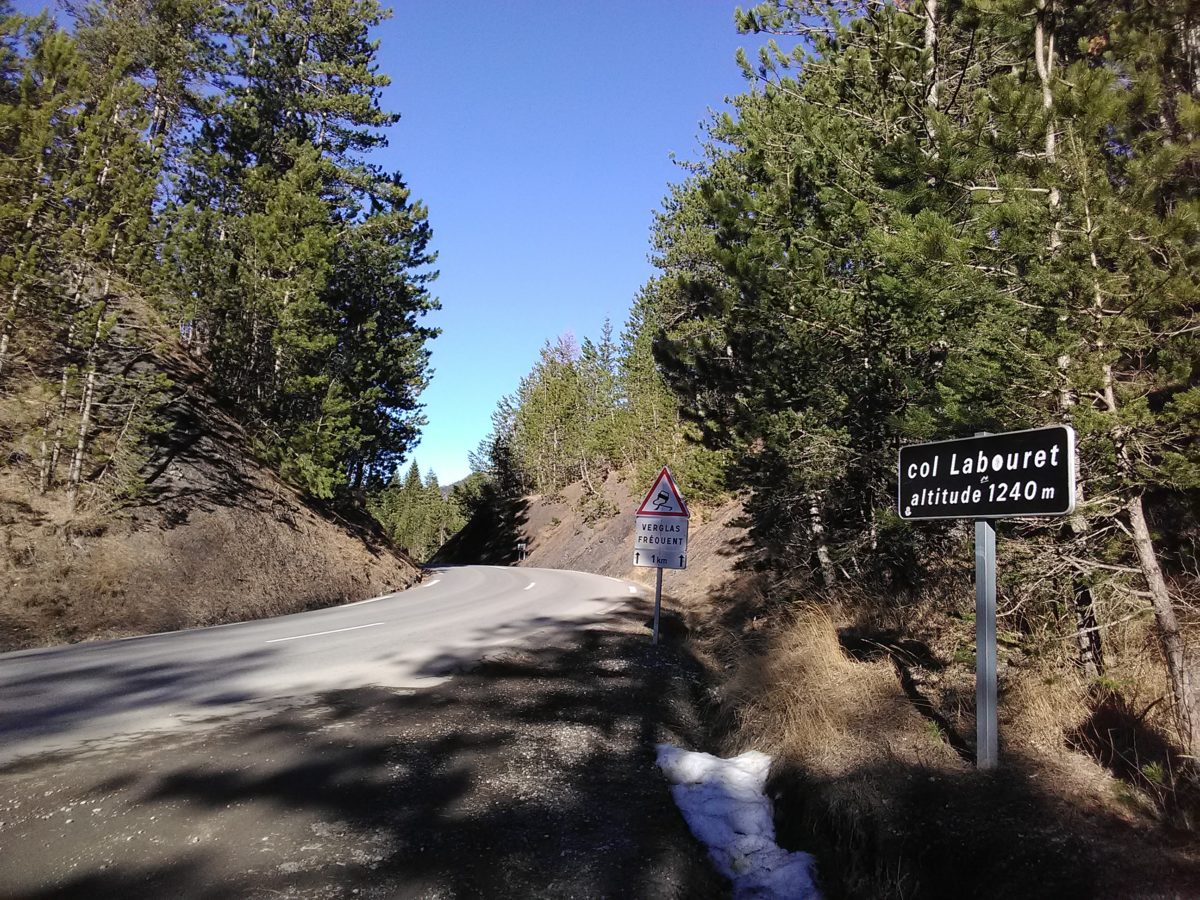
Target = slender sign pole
(657,602)
(986,749)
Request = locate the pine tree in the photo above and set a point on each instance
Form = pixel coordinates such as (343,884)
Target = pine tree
(75,231)
(206,163)
(312,264)
(548,433)
(1130,275)
(599,400)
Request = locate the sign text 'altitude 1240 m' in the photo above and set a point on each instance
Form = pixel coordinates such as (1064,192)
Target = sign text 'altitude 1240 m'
(1019,473)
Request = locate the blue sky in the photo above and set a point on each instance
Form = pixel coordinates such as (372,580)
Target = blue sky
(539,135)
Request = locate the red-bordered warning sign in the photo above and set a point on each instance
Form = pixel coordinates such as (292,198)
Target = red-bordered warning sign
(663,499)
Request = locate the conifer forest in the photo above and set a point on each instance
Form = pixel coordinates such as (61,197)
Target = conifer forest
(920,220)
(416,513)
(196,173)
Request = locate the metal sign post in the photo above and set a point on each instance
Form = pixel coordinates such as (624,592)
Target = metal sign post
(657,604)
(986,716)
(986,477)
(660,534)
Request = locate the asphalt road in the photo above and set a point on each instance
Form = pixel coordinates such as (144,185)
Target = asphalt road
(100,693)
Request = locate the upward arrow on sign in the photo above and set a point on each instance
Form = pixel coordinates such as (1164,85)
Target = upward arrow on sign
(663,498)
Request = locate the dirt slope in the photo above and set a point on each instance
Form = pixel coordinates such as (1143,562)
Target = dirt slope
(559,537)
(213,537)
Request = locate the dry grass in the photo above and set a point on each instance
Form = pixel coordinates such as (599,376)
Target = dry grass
(868,708)
(807,700)
(1042,706)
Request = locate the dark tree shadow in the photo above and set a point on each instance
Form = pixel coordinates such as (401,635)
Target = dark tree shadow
(47,694)
(492,535)
(195,458)
(893,829)
(908,656)
(1118,737)
(203,459)
(183,879)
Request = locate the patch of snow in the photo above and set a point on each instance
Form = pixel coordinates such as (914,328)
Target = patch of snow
(724,804)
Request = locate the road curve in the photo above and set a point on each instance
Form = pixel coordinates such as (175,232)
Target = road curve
(66,697)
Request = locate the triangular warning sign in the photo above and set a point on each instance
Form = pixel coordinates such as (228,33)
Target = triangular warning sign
(663,498)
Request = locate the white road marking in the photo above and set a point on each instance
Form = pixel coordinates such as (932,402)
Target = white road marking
(138,637)
(372,600)
(632,589)
(297,637)
(528,586)
(431,583)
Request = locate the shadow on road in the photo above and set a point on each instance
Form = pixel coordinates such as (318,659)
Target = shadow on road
(530,776)
(62,696)
(67,691)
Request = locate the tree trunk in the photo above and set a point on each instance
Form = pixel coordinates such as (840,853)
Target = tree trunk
(1087,635)
(932,96)
(1184,685)
(50,459)
(1043,50)
(817,524)
(85,413)
(1189,42)
(250,374)
(49,465)
(277,367)
(85,420)
(9,323)
(39,170)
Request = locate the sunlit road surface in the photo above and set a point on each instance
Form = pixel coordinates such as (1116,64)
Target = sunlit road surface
(67,697)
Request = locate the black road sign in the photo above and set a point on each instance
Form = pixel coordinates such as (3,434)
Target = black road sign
(1019,473)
